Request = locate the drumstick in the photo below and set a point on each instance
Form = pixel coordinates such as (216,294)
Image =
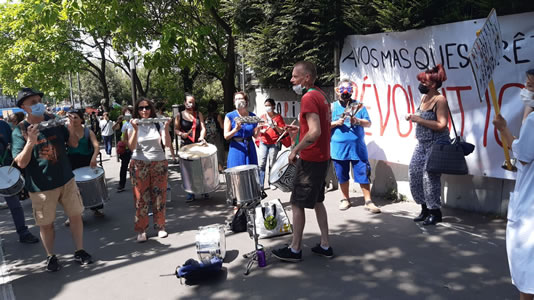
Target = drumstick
(285,131)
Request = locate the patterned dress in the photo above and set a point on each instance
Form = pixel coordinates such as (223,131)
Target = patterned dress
(426,187)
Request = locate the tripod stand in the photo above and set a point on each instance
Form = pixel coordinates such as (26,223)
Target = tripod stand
(251,217)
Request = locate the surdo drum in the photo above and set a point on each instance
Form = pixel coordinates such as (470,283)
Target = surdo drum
(92,185)
(211,242)
(242,184)
(12,182)
(200,168)
(282,172)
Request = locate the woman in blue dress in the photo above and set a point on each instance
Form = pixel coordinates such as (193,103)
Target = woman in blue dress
(242,149)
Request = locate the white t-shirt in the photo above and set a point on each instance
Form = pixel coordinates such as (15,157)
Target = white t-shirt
(148,142)
(107,127)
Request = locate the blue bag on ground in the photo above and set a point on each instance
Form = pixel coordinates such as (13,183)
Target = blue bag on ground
(194,272)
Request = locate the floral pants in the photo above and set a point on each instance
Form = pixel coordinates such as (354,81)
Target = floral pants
(425,187)
(149,182)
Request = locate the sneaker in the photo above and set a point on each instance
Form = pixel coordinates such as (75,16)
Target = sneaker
(28,238)
(273,187)
(263,195)
(67,222)
(141,237)
(83,257)
(120,189)
(162,234)
(52,263)
(99,213)
(329,253)
(285,254)
(189,198)
(370,206)
(344,205)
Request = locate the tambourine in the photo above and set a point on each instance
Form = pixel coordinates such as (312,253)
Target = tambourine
(249,120)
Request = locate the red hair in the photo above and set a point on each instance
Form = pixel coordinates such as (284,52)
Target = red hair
(436,74)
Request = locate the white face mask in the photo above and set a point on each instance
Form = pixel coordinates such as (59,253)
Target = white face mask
(298,89)
(527,97)
(268,109)
(188,105)
(239,104)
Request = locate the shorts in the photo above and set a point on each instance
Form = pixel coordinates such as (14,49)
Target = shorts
(309,183)
(44,203)
(361,170)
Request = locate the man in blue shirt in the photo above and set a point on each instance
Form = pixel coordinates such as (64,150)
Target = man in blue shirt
(349,118)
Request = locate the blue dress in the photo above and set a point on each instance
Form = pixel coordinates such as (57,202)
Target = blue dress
(242,152)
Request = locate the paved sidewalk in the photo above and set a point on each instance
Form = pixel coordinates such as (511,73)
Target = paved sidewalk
(384,256)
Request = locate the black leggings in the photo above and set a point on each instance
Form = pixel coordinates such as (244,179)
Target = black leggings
(125,161)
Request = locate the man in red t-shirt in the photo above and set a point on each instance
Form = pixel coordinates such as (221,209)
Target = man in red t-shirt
(312,165)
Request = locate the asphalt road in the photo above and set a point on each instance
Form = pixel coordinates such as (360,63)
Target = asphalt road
(383,256)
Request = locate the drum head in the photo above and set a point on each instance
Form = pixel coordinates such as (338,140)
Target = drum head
(279,166)
(9,175)
(87,173)
(242,168)
(197,151)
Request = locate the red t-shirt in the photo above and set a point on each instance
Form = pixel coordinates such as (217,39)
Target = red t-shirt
(314,102)
(270,136)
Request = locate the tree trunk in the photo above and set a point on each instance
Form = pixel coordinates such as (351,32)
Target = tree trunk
(188,79)
(228,80)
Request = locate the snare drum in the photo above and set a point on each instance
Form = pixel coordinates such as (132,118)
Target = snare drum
(211,242)
(12,181)
(92,185)
(282,172)
(242,184)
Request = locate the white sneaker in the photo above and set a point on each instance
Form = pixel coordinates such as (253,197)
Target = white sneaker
(162,234)
(141,237)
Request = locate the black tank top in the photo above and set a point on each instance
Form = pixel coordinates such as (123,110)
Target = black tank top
(186,125)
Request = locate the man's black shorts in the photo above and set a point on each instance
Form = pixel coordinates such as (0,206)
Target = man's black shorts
(309,183)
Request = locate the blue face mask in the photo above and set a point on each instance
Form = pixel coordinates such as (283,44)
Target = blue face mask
(38,109)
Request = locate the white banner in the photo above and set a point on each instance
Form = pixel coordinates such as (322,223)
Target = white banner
(384,68)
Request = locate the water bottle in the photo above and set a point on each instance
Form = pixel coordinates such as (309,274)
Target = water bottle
(261,258)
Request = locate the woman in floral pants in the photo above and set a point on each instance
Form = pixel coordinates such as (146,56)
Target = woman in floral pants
(148,168)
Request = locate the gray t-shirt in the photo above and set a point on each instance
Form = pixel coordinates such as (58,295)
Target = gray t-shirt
(148,142)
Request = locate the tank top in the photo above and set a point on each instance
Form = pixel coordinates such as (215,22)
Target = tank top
(425,134)
(84,146)
(186,125)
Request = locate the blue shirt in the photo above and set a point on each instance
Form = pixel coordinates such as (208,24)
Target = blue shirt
(348,141)
(242,153)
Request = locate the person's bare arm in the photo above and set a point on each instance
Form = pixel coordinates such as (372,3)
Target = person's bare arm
(314,132)
(25,156)
(96,148)
(202,127)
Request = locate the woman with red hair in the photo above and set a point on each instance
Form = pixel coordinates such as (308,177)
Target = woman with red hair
(431,126)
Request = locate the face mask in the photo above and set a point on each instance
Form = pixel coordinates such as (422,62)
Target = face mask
(346,96)
(239,104)
(268,109)
(189,105)
(423,89)
(527,97)
(38,109)
(298,89)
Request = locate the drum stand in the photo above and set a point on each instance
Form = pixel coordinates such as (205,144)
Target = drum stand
(251,217)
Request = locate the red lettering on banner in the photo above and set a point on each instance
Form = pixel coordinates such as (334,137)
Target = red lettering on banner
(459,90)
(395,110)
(503,89)
(383,124)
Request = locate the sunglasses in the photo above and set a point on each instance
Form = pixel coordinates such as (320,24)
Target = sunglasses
(143,108)
(344,89)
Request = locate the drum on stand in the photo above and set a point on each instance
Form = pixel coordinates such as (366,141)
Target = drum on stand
(12,181)
(210,242)
(200,168)
(283,173)
(243,184)
(92,185)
